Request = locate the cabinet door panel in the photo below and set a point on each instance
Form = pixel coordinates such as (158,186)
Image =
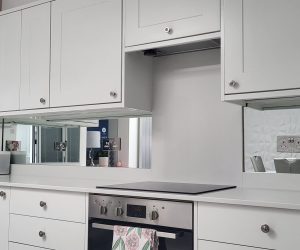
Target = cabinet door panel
(262,45)
(86,52)
(209,245)
(10,39)
(35,57)
(4,218)
(146,20)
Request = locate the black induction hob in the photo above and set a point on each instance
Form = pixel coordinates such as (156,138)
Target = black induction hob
(169,187)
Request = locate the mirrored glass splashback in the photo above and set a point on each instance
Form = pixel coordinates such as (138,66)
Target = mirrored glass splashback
(116,142)
(272,140)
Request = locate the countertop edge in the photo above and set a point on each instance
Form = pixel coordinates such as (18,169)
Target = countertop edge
(219,197)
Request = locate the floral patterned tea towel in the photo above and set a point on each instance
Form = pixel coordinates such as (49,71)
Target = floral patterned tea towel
(132,238)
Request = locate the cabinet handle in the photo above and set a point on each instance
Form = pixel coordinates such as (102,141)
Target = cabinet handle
(43,101)
(2,194)
(42,234)
(265,228)
(168,30)
(43,204)
(234,84)
(113,94)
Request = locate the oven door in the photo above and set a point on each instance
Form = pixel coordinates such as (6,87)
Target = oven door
(101,235)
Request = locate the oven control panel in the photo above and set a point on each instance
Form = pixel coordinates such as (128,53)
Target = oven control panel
(143,211)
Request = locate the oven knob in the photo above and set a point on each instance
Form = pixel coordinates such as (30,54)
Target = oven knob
(119,211)
(154,215)
(103,210)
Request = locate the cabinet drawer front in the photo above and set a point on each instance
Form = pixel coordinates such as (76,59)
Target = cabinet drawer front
(15,246)
(57,205)
(242,225)
(209,245)
(146,20)
(59,235)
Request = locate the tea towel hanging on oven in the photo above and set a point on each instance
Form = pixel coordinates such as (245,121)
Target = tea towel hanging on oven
(132,238)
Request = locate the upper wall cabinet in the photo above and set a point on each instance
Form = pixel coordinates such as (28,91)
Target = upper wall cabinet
(261,48)
(148,21)
(35,57)
(86,62)
(25,58)
(10,39)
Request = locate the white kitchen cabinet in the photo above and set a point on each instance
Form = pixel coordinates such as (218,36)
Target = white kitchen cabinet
(10,59)
(35,57)
(148,21)
(210,245)
(4,217)
(49,204)
(261,47)
(47,233)
(86,57)
(48,219)
(267,228)
(16,246)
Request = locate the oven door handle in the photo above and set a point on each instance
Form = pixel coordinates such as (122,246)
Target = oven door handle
(166,235)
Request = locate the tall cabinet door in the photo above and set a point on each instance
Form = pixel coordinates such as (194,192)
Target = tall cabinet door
(4,218)
(262,45)
(150,21)
(35,57)
(86,52)
(10,39)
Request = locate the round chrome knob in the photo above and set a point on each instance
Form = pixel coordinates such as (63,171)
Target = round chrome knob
(42,234)
(265,228)
(2,194)
(43,101)
(43,204)
(119,211)
(168,30)
(113,94)
(234,84)
(103,210)
(154,215)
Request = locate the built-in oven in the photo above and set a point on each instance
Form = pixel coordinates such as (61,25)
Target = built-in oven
(172,220)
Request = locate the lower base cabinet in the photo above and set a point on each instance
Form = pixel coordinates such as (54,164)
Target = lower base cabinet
(209,245)
(15,246)
(47,233)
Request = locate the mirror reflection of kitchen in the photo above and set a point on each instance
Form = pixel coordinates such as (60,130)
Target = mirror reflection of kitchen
(119,142)
(272,141)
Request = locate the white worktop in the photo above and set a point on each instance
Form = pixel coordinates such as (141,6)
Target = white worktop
(239,196)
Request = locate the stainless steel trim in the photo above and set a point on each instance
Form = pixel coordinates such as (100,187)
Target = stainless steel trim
(159,234)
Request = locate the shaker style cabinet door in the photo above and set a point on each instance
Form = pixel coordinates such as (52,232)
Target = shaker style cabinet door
(148,21)
(10,39)
(262,45)
(35,57)
(4,217)
(86,52)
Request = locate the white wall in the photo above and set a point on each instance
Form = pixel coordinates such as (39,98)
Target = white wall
(7,4)
(196,137)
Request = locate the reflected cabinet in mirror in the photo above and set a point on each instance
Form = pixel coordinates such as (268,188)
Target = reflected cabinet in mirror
(119,142)
(272,141)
